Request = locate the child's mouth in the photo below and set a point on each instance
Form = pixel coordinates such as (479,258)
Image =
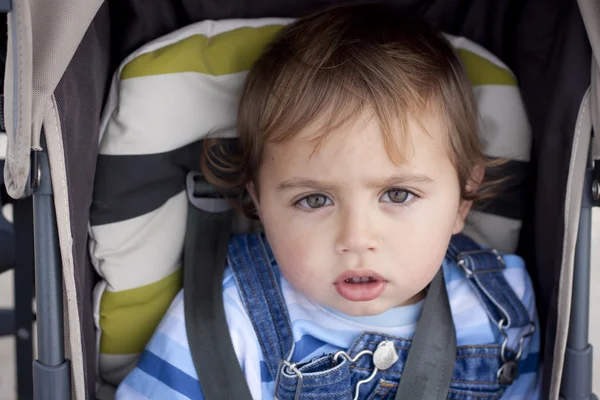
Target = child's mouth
(360,285)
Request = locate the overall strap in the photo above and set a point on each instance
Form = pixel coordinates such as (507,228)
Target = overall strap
(485,270)
(251,259)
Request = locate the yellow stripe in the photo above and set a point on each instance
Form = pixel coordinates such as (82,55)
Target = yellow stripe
(483,72)
(129,318)
(222,54)
(235,51)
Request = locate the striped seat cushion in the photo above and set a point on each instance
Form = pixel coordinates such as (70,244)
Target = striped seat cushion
(164,99)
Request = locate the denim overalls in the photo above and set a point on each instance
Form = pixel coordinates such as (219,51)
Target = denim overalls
(480,372)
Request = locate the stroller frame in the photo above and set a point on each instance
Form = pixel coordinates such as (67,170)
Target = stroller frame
(52,378)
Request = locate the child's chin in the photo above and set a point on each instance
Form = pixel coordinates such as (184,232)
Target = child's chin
(365,308)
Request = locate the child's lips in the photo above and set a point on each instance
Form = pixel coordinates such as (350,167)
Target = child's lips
(360,285)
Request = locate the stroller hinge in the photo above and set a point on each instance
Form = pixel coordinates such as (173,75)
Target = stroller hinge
(5,6)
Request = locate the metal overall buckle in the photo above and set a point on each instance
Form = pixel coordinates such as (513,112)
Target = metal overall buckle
(509,370)
(384,356)
(291,367)
(462,262)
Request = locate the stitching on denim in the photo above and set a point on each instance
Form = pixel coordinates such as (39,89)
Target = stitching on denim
(338,369)
(254,323)
(377,392)
(475,382)
(383,384)
(327,395)
(397,347)
(480,346)
(258,273)
(386,372)
(306,377)
(475,394)
(478,356)
(277,291)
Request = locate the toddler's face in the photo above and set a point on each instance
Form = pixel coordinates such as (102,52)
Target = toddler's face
(349,228)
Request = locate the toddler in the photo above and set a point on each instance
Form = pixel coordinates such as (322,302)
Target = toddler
(361,158)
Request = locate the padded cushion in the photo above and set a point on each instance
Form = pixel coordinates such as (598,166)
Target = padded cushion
(164,99)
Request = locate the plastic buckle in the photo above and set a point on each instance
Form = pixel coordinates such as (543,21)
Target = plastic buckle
(204,196)
(464,256)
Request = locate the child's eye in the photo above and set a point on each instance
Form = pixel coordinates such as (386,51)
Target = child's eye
(398,196)
(314,201)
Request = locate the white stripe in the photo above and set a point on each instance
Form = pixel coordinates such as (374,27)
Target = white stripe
(127,392)
(3,146)
(164,112)
(207,28)
(141,250)
(504,128)
(115,367)
(494,231)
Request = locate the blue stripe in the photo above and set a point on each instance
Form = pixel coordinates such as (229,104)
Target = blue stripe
(530,364)
(265,374)
(146,386)
(306,346)
(173,353)
(170,376)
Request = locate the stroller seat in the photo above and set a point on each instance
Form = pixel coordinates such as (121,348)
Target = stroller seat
(164,99)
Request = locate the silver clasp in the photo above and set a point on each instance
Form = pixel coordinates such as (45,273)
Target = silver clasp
(385,356)
(509,370)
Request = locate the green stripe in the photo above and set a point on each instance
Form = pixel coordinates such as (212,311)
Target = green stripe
(234,51)
(128,318)
(483,72)
(222,54)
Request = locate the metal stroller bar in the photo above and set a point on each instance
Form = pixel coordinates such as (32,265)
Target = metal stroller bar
(51,370)
(577,373)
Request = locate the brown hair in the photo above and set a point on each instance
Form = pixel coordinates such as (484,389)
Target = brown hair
(331,65)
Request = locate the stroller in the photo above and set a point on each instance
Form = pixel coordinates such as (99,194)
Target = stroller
(62,55)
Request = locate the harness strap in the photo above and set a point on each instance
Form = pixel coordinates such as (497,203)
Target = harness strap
(205,250)
(432,354)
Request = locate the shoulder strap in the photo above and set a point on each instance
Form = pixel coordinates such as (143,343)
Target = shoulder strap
(208,229)
(485,270)
(251,259)
(430,363)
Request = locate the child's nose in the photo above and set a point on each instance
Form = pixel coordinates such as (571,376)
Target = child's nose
(356,233)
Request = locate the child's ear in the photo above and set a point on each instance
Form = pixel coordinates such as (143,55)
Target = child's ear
(465,205)
(252,191)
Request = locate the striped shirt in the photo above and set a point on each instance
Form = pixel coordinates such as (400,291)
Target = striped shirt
(166,369)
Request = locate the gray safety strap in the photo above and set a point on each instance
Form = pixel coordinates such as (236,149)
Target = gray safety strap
(205,251)
(428,369)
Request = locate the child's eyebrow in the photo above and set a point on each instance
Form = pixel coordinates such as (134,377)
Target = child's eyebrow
(401,180)
(298,183)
